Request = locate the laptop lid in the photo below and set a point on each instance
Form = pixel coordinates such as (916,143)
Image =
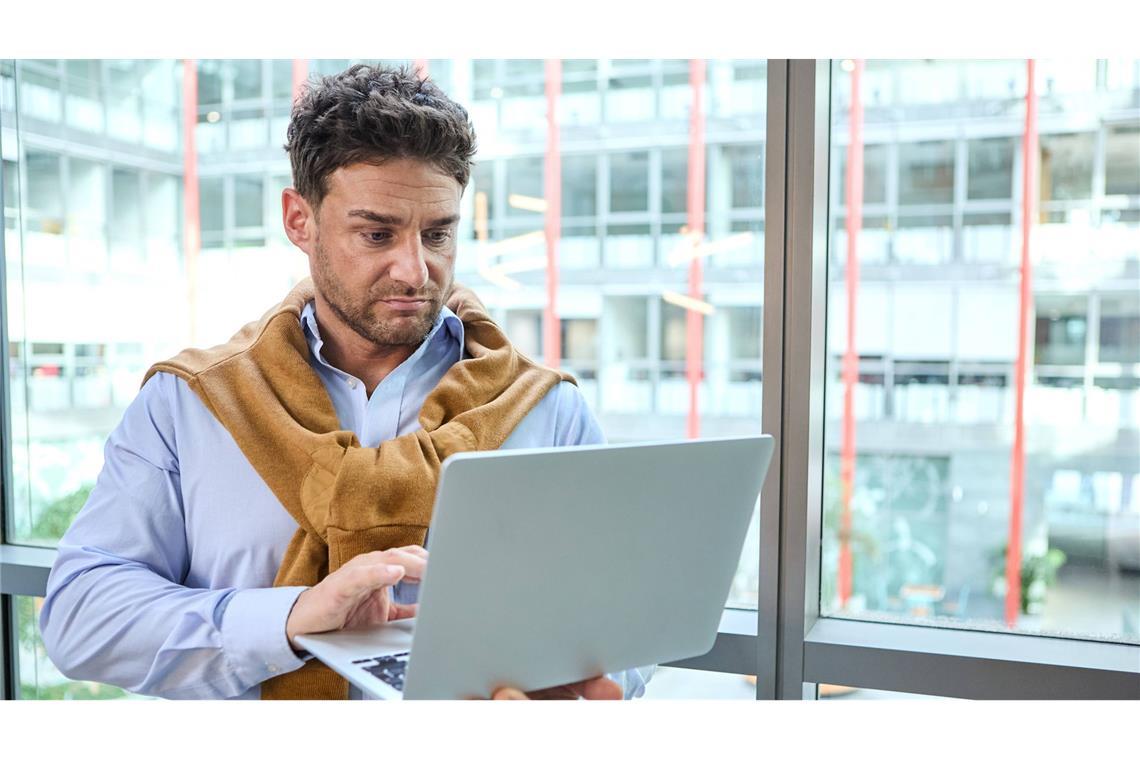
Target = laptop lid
(553,565)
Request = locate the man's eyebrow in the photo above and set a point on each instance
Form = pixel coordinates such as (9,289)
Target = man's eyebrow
(372,216)
(444,221)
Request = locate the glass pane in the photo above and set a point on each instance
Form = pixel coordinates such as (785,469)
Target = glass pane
(249,201)
(746,164)
(1122,161)
(918,506)
(579,185)
(1119,329)
(38,678)
(926,173)
(1067,166)
(674,181)
(91,224)
(247,78)
(874,174)
(283,79)
(629,181)
(126,193)
(72,380)
(211,199)
(524,177)
(990,173)
(209,83)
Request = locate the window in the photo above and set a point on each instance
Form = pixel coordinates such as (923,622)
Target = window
(747,168)
(524,177)
(212,204)
(45,193)
(580,340)
(674,181)
(874,174)
(1062,329)
(629,181)
(1122,161)
(1066,166)
(249,201)
(579,185)
(1120,329)
(246,74)
(920,534)
(926,173)
(917,487)
(990,172)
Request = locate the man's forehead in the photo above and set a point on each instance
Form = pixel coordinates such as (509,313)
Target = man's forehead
(409,179)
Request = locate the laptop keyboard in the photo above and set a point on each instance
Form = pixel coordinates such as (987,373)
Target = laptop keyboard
(388,668)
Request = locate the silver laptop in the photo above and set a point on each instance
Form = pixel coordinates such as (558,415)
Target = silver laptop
(550,566)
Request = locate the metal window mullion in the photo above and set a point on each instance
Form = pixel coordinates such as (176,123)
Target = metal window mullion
(804,314)
(7,636)
(772,377)
(971,664)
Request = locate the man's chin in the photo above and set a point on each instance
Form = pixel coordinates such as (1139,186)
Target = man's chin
(408,330)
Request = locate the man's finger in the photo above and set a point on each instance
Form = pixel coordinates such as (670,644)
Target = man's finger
(361,581)
(399,611)
(413,564)
(508,692)
(597,688)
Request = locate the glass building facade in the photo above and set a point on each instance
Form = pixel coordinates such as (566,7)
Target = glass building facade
(100,285)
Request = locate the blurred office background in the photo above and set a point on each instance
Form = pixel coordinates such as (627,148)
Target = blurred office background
(101,283)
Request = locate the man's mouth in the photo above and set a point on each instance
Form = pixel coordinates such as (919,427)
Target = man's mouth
(404,304)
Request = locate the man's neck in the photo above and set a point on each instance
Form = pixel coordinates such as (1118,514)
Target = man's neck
(350,352)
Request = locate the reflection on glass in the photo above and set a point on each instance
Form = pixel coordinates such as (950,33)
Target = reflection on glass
(102,212)
(37,677)
(629,181)
(926,173)
(1067,166)
(685,683)
(990,170)
(923,534)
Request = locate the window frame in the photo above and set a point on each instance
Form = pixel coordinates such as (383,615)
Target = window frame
(785,643)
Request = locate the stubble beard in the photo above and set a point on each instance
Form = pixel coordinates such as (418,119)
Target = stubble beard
(356,310)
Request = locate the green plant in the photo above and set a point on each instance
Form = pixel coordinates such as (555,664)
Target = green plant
(38,677)
(54,521)
(1038,574)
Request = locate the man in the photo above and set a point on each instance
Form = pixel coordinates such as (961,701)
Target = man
(280,484)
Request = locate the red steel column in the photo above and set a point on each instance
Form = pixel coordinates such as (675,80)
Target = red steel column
(854,182)
(552,179)
(694,321)
(1025,306)
(191,220)
(300,74)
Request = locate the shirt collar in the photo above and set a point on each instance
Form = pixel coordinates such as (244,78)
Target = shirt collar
(447,327)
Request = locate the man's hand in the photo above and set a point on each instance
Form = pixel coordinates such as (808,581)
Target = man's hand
(593,688)
(357,593)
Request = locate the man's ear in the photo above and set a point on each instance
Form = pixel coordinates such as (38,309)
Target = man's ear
(299,220)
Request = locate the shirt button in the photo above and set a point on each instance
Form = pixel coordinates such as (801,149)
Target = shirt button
(272,668)
(352,383)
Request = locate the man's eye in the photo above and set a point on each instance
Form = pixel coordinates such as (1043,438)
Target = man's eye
(376,237)
(438,237)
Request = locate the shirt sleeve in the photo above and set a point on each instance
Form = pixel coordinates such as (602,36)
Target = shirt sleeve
(116,609)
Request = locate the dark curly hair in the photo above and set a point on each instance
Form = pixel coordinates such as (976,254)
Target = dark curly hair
(369,114)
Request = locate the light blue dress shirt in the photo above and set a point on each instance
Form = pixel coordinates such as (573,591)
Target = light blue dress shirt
(164,583)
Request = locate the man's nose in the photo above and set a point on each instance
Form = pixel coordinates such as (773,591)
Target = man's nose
(410,266)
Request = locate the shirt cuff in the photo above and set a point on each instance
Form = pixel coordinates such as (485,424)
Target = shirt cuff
(253,633)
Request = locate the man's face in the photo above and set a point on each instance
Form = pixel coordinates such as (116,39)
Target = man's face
(383,252)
